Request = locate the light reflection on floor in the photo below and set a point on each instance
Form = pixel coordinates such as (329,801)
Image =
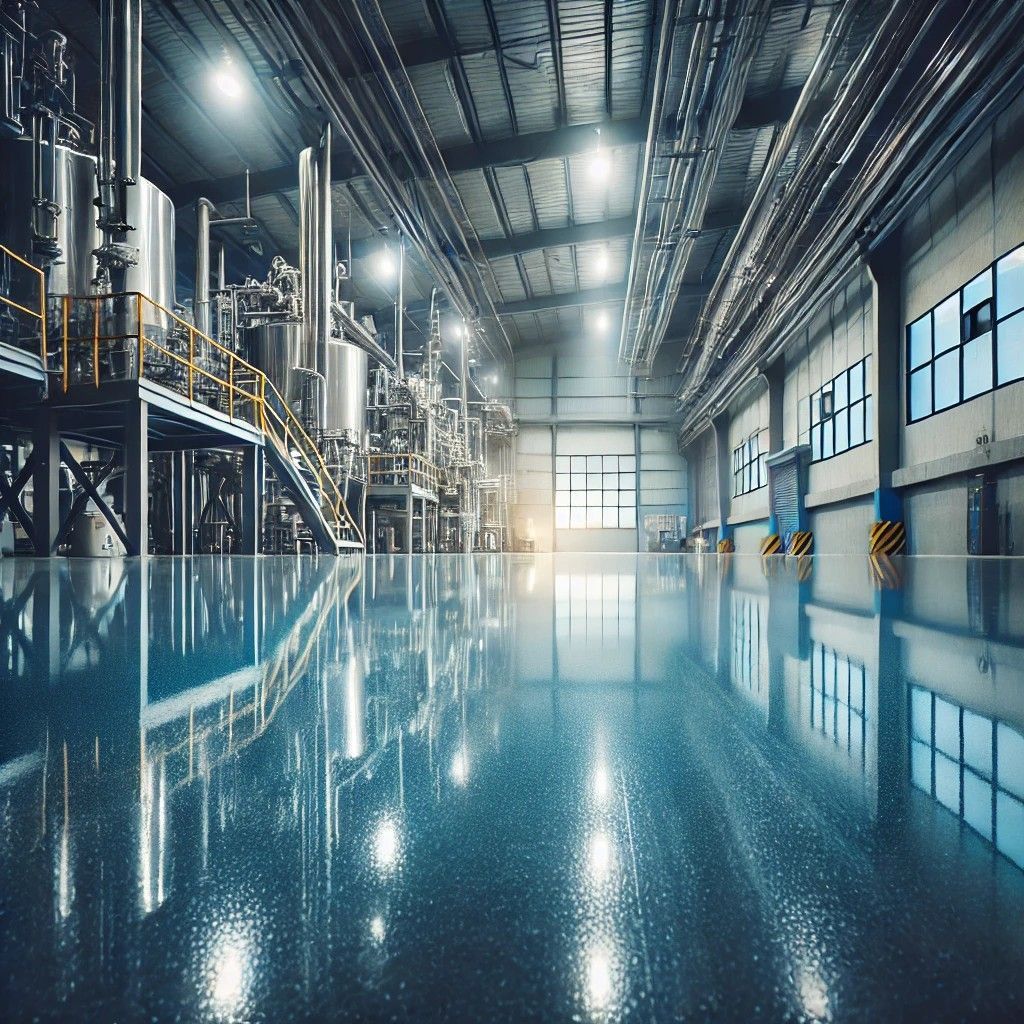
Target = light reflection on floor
(517,787)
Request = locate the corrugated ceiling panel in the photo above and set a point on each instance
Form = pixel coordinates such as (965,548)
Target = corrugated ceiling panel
(509,281)
(407,20)
(550,195)
(630,32)
(469,23)
(488,95)
(436,96)
(602,263)
(516,197)
(477,200)
(583,53)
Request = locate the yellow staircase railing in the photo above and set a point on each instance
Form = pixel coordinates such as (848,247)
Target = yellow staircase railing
(129,336)
(32,314)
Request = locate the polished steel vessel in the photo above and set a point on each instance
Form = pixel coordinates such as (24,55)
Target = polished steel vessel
(347,374)
(151,213)
(278,350)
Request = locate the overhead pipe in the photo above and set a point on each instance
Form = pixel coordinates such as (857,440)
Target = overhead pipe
(201,303)
(897,155)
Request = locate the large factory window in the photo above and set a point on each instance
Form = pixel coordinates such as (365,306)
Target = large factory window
(970,343)
(594,492)
(972,765)
(839,413)
(748,469)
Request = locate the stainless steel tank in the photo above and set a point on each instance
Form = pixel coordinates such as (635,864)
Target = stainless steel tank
(278,350)
(347,375)
(77,234)
(150,211)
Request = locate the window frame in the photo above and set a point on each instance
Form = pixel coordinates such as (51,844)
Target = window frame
(577,481)
(748,463)
(818,422)
(908,371)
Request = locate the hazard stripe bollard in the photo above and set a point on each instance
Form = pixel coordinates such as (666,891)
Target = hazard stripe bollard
(887,538)
(771,545)
(801,543)
(726,546)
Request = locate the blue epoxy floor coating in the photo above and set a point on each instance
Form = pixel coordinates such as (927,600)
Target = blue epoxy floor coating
(508,788)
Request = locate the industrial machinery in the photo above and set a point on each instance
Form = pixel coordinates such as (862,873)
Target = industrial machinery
(275,369)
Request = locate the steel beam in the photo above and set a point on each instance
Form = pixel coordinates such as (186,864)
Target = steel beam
(518,149)
(575,234)
(586,297)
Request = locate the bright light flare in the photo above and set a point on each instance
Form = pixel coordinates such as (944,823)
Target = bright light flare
(600,166)
(228,83)
(385,266)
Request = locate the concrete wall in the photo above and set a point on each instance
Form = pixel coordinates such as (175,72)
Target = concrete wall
(575,400)
(749,415)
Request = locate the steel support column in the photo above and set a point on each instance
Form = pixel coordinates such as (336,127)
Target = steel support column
(45,481)
(136,477)
(253,473)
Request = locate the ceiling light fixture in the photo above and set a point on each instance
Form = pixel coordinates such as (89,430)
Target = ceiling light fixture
(385,265)
(600,166)
(602,263)
(227,81)
(602,322)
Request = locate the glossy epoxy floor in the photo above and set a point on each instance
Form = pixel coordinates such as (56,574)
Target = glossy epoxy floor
(580,788)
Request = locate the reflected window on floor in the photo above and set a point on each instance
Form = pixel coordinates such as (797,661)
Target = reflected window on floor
(838,688)
(596,609)
(749,651)
(971,764)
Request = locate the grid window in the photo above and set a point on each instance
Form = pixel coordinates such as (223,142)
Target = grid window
(840,412)
(595,492)
(837,709)
(972,765)
(970,343)
(748,469)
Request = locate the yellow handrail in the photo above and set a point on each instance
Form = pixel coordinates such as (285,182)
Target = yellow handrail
(41,315)
(308,451)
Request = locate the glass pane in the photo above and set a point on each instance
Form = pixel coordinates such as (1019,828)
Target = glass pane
(627,463)
(610,463)
(746,477)
(947,324)
(947,727)
(579,463)
(857,382)
(610,481)
(869,420)
(840,392)
(561,499)
(577,517)
(921,766)
(737,483)
(561,519)
(593,498)
(593,463)
(561,481)
(978,742)
(578,481)
(762,472)
(627,481)
(578,498)
(867,375)
(816,443)
(920,341)
(978,366)
(562,464)
(627,518)
(593,480)
(947,380)
(947,782)
(827,440)
(593,518)
(1010,283)
(610,518)
(1010,828)
(920,393)
(1010,342)
(921,714)
(1010,745)
(977,290)
(856,424)
(978,804)
(815,401)
(842,430)
(627,499)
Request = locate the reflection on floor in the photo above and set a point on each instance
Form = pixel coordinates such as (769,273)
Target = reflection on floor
(512,787)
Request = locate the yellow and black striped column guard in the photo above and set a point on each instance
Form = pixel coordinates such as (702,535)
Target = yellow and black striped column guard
(887,538)
(726,546)
(804,568)
(801,543)
(771,545)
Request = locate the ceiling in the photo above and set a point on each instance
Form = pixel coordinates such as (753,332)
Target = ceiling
(514,95)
